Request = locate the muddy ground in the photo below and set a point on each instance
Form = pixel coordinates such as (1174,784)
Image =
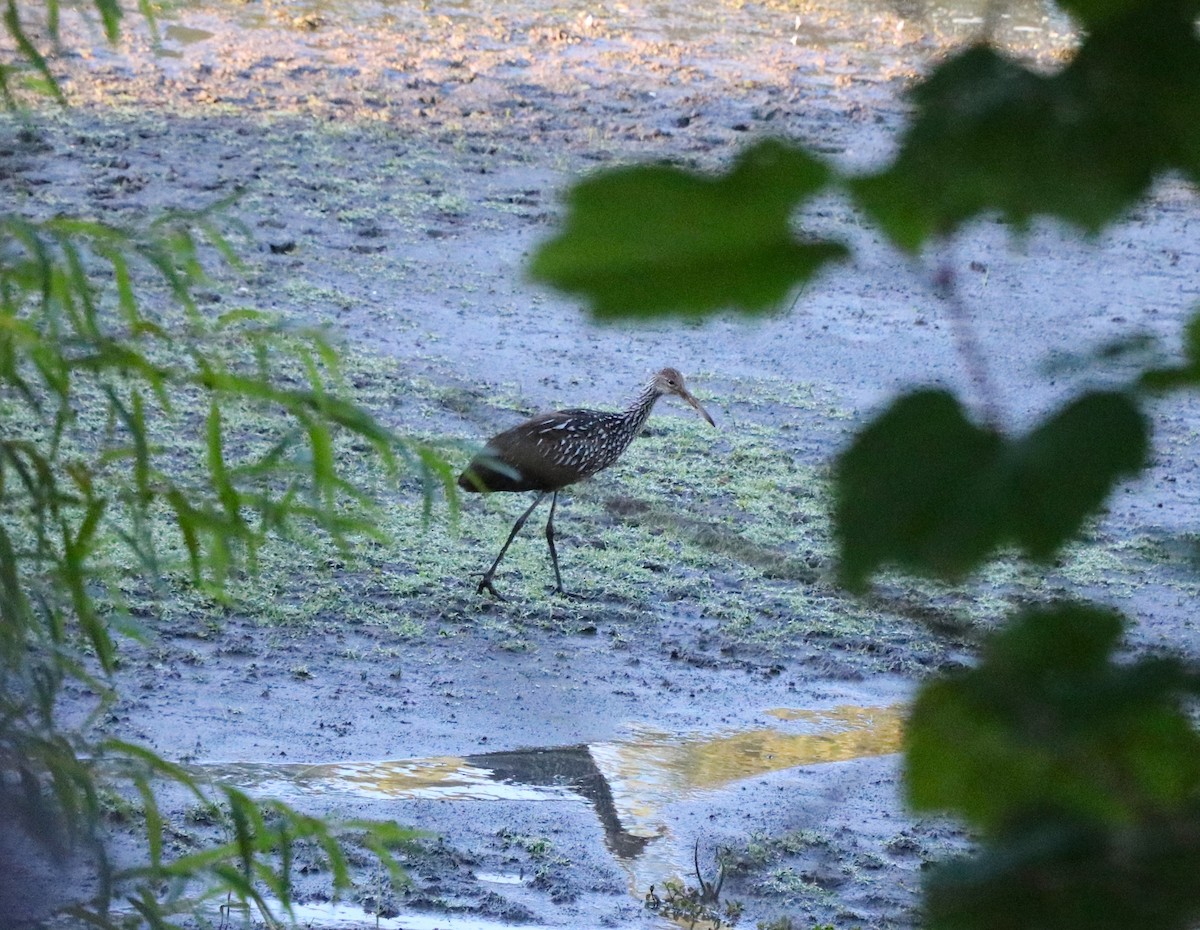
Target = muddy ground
(713,695)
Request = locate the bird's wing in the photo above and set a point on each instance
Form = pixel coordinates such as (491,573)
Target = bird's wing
(553,449)
(544,436)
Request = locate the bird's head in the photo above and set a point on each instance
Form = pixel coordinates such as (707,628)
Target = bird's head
(670,381)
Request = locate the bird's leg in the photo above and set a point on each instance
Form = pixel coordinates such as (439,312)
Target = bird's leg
(485,583)
(558,588)
(558,585)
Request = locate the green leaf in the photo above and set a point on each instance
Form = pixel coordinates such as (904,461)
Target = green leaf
(320,442)
(913,489)
(656,239)
(110,15)
(989,134)
(1083,145)
(1062,875)
(1096,12)
(27,50)
(154,820)
(924,488)
(1081,775)
(1048,724)
(1191,340)
(217,472)
(1180,376)
(1063,471)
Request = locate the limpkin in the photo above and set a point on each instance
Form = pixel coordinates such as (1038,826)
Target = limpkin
(551,450)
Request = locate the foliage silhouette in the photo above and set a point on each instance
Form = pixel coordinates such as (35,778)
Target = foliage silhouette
(924,487)
(658,239)
(1079,772)
(91,497)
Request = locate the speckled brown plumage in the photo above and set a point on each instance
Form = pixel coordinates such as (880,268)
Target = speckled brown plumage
(552,450)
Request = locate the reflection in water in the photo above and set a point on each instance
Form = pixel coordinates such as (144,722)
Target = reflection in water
(654,768)
(342,915)
(448,778)
(628,782)
(574,767)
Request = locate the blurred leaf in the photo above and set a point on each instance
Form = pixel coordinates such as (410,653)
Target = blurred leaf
(656,239)
(913,489)
(1059,875)
(974,144)
(1063,471)
(1047,724)
(1191,340)
(28,53)
(110,14)
(1130,350)
(924,488)
(1183,376)
(1082,144)
(1083,776)
(1096,12)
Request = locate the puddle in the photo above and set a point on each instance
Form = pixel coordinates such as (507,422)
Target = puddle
(448,779)
(628,782)
(176,37)
(339,915)
(186,35)
(498,878)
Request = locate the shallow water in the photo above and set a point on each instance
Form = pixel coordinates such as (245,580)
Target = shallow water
(627,780)
(342,915)
(629,783)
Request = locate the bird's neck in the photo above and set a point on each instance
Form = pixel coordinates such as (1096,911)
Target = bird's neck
(639,409)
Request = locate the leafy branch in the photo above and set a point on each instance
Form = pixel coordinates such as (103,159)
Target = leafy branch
(1079,773)
(96,486)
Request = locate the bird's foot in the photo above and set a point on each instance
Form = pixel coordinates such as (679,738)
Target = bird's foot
(569,595)
(485,584)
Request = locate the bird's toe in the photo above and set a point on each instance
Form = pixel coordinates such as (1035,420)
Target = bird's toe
(485,584)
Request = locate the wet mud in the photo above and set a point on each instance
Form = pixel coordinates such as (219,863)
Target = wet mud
(714,710)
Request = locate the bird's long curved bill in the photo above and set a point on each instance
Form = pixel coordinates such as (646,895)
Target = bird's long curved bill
(695,403)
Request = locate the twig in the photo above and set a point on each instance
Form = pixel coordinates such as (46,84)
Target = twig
(944,283)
